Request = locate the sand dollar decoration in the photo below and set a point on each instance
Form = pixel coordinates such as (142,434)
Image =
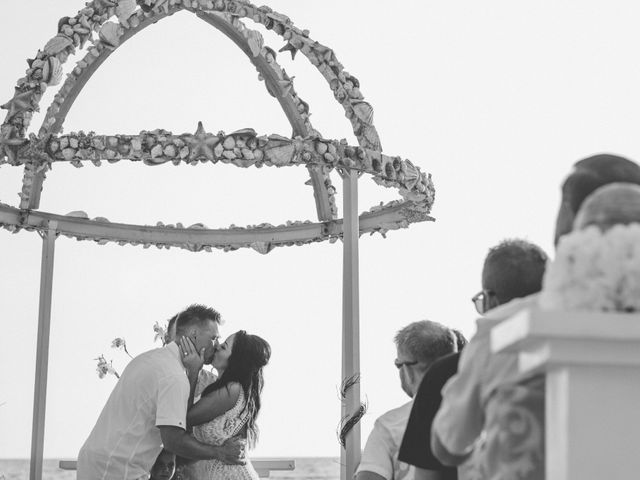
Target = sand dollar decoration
(103,26)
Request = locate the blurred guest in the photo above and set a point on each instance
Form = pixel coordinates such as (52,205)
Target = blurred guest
(512,270)
(418,345)
(511,411)
(415,448)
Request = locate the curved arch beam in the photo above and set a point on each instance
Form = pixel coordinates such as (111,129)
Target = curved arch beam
(261,239)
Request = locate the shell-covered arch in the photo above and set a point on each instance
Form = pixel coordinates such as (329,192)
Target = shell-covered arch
(107,24)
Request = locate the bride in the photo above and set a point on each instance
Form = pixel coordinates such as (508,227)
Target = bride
(229,406)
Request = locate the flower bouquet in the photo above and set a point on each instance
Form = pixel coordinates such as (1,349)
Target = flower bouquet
(595,270)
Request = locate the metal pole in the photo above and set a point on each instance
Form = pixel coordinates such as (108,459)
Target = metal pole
(350,456)
(42,353)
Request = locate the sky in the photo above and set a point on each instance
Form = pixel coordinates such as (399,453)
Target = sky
(495,99)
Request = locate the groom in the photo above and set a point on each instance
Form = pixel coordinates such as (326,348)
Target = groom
(148,407)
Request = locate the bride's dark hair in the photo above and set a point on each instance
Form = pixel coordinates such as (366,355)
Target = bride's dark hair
(248,355)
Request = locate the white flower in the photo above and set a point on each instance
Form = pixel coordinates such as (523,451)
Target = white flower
(104,368)
(161,333)
(596,271)
(119,343)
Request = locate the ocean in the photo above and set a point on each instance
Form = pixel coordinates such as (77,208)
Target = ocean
(314,468)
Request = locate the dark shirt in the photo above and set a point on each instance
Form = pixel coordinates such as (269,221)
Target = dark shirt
(416,443)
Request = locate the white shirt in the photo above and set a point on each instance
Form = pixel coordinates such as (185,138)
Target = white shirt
(380,454)
(153,390)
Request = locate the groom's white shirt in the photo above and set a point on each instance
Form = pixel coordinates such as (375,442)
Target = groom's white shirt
(153,390)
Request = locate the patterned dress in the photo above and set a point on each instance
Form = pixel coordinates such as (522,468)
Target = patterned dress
(216,432)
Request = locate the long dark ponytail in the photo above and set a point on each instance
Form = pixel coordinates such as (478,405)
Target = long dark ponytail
(249,355)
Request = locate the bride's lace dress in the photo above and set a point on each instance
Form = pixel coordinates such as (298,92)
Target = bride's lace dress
(216,432)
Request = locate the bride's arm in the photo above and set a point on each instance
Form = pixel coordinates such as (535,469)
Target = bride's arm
(214,404)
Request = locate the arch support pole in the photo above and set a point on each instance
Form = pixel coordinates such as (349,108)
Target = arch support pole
(42,352)
(350,455)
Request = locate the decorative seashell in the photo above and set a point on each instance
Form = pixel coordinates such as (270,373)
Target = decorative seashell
(73,142)
(371,135)
(68,153)
(389,171)
(321,148)
(275,139)
(363,111)
(52,71)
(62,22)
(262,247)
(78,214)
(269,54)
(255,42)
(125,9)
(290,48)
(110,34)
(57,44)
(247,154)
(136,144)
(280,156)
(229,155)
(156,151)
(285,87)
(170,151)
(229,143)
(245,133)
(217,151)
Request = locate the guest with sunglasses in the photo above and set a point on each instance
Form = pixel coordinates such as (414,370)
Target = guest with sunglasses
(511,275)
(418,345)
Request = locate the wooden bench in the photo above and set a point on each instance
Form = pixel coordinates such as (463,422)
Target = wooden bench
(264,466)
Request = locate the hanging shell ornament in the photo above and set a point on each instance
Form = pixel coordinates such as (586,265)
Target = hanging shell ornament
(52,71)
(262,247)
(110,34)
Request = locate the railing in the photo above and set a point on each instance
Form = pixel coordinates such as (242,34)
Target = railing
(591,362)
(263,466)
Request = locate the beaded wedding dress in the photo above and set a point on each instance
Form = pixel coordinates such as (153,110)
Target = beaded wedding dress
(216,432)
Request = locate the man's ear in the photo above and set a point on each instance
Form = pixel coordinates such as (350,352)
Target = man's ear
(493,302)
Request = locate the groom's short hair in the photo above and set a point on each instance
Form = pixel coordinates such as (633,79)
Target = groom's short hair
(514,269)
(195,315)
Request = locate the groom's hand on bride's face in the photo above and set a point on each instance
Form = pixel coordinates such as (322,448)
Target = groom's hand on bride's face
(233,451)
(191,358)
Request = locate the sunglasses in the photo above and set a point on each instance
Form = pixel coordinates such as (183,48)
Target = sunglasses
(481,300)
(399,365)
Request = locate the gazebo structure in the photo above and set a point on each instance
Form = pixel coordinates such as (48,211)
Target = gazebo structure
(100,28)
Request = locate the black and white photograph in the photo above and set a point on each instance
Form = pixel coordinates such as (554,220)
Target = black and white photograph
(320,240)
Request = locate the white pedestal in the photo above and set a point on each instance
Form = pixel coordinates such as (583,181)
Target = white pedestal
(592,367)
